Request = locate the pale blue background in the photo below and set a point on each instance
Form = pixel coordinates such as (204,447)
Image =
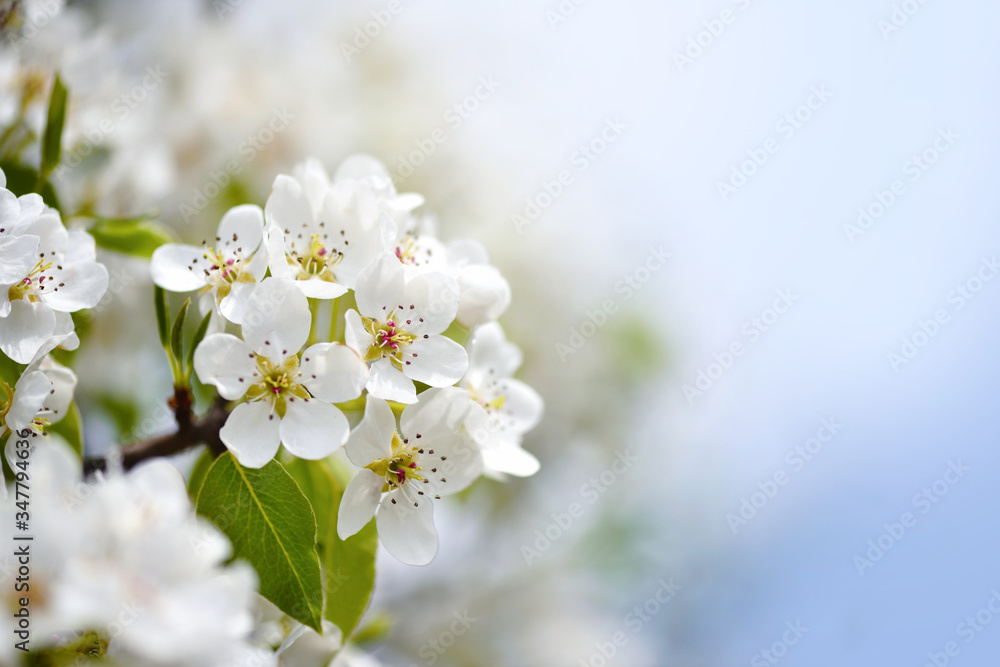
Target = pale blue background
(827,356)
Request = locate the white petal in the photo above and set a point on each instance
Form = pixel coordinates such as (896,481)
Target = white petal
(314,288)
(10,211)
(385,382)
(62,337)
(406,530)
(485,295)
(63,385)
(26,329)
(276,257)
(233,306)
(241,227)
(277,319)
(313,429)
(522,407)
(226,362)
(454,465)
(82,247)
(333,372)
(315,182)
(510,459)
(251,434)
(257,265)
(466,251)
(29,395)
(287,205)
(32,206)
(490,355)
(178,267)
(357,506)
(355,334)
(18,256)
(372,438)
(437,361)
(380,287)
(53,237)
(435,297)
(358,167)
(437,411)
(82,286)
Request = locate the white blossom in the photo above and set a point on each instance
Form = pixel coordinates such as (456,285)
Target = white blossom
(225,271)
(397,329)
(289,398)
(402,471)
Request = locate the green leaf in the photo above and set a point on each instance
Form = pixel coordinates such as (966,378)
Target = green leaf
(138,237)
(177,333)
(70,427)
(52,139)
(160,297)
(271,525)
(199,471)
(349,564)
(199,335)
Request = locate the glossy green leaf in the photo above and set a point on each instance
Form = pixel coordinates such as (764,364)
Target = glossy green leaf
(177,333)
(349,564)
(52,139)
(162,318)
(270,524)
(138,237)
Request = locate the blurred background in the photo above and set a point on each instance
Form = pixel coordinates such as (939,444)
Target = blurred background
(751,245)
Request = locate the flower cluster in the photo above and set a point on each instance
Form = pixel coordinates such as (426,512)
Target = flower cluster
(113,571)
(46,273)
(350,251)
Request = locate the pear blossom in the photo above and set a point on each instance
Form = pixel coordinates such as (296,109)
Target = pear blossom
(502,408)
(62,277)
(114,557)
(398,329)
(485,293)
(226,271)
(402,471)
(289,398)
(322,234)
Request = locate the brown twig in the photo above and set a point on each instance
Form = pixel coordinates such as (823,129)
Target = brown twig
(190,432)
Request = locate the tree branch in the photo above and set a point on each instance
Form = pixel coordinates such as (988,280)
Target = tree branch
(190,432)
